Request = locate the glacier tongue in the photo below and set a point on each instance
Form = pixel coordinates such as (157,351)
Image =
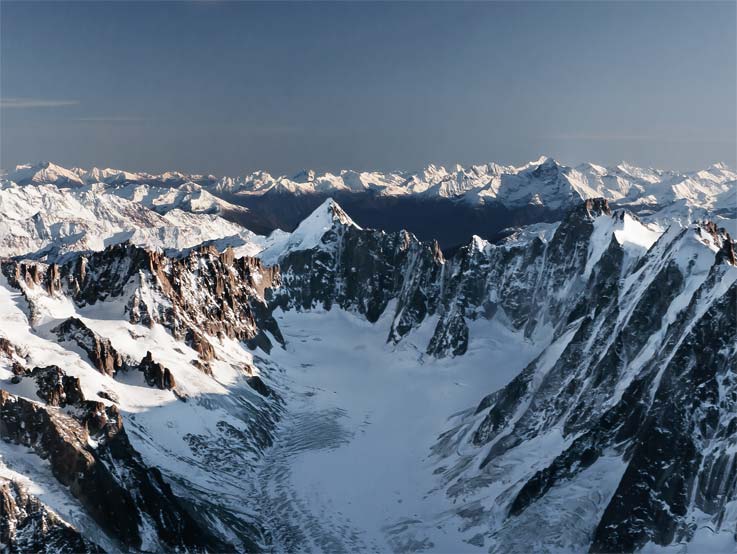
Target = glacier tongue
(351,469)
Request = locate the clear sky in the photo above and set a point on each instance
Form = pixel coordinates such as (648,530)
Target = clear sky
(231,87)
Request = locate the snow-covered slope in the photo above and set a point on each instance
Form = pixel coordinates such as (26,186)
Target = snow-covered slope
(46,220)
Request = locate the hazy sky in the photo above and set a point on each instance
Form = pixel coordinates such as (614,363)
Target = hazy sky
(230,87)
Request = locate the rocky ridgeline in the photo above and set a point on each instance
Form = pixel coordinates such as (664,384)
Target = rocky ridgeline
(530,286)
(640,368)
(645,375)
(100,350)
(364,270)
(200,295)
(27,525)
(89,452)
(208,294)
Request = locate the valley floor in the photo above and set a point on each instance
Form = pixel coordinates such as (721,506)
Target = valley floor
(351,467)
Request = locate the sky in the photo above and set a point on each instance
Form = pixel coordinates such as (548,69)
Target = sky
(231,87)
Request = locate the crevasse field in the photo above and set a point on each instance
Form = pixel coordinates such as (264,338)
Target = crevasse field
(353,468)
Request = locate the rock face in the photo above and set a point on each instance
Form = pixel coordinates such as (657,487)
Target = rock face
(257,384)
(57,388)
(360,270)
(199,296)
(206,293)
(99,349)
(364,270)
(26,525)
(635,399)
(122,495)
(682,457)
(156,375)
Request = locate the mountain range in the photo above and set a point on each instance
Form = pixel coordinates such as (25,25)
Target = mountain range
(447,205)
(563,379)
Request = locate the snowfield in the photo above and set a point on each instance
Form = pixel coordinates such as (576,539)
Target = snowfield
(353,462)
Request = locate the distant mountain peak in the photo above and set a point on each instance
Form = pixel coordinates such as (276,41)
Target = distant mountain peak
(43,172)
(304,176)
(544,183)
(310,233)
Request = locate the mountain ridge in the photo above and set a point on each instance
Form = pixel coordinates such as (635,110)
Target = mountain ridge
(475,183)
(435,204)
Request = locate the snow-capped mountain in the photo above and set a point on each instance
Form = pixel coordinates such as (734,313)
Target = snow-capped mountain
(44,173)
(48,221)
(452,203)
(172,381)
(541,182)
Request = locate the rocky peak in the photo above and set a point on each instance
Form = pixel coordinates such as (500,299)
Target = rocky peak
(100,350)
(156,374)
(57,388)
(722,240)
(323,218)
(547,168)
(317,230)
(593,207)
(27,525)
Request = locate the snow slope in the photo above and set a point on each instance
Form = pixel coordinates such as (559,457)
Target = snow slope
(48,220)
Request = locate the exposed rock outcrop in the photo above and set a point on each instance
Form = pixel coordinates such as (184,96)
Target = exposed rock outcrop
(99,349)
(109,479)
(156,375)
(27,525)
(641,376)
(57,388)
(257,384)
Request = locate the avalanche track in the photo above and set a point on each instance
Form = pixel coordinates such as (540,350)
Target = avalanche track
(351,469)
